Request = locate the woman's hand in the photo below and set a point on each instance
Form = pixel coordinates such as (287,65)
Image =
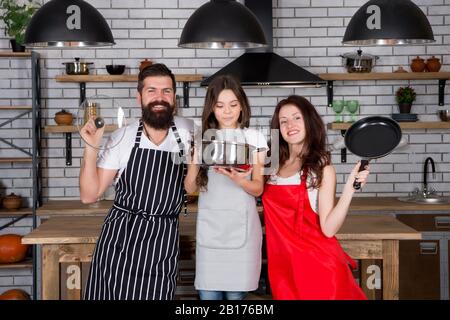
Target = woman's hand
(236,175)
(357,176)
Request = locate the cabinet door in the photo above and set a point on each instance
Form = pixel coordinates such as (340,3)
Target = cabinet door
(419,269)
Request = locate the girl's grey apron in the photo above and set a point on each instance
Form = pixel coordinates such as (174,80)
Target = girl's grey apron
(229,237)
(136,256)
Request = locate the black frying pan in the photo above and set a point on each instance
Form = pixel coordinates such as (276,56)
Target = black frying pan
(371,138)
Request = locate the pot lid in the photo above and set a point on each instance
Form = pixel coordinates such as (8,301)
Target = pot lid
(13,196)
(62,112)
(358,55)
(417,58)
(77,61)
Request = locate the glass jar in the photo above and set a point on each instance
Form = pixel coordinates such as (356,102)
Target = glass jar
(90,110)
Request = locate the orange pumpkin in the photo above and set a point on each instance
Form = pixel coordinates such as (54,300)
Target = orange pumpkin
(11,248)
(15,294)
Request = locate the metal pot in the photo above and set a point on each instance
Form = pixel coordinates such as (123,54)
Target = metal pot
(358,62)
(221,153)
(77,67)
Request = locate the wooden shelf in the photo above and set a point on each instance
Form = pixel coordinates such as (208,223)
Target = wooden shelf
(27,263)
(403,125)
(385,76)
(15,107)
(72,129)
(7,160)
(121,78)
(14,213)
(11,54)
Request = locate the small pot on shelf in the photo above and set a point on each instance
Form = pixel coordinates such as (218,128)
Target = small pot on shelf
(404,107)
(144,64)
(15,46)
(63,118)
(77,67)
(433,64)
(12,202)
(418,64)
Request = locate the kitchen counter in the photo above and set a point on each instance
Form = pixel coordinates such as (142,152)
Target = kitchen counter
(68,243)
(390,204)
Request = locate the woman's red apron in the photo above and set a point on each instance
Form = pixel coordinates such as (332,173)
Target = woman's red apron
(303,264)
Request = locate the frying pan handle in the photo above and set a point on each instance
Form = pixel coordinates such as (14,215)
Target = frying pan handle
(356,184)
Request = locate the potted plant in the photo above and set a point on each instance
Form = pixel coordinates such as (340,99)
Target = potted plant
(405,96)
(16,17)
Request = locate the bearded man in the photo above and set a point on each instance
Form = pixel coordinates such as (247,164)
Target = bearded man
(136,255)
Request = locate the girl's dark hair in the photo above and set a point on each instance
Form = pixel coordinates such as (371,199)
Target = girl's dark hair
(314,156)
(209,121)
(155,70)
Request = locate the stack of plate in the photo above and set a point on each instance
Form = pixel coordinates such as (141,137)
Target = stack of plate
(405,117)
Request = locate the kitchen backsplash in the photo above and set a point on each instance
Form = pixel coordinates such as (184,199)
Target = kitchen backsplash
(307,32)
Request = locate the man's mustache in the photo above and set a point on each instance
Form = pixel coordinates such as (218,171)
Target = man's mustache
(152,104)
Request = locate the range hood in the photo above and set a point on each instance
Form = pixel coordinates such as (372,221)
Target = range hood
(262,67)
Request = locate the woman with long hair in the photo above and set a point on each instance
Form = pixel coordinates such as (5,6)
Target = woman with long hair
(305,260)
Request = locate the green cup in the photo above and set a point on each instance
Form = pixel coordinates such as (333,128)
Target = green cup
(352,107)
(338,107)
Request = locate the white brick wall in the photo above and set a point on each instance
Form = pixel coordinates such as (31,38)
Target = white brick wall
(307,32)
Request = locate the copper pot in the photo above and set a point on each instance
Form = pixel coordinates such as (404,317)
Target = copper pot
(418,65)
(63,118)
(144,64)
(433,64)
(12,202)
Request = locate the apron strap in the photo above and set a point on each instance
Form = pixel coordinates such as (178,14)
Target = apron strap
(184,161)
(137,141)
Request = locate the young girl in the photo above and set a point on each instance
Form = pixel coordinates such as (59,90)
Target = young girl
(305,260)
(229,237)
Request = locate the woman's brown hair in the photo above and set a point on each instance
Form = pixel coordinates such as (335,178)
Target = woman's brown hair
(314,155)
(209,121)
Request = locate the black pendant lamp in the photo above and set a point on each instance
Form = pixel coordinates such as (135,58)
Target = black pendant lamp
(388,22)
(68,23)
(223,24)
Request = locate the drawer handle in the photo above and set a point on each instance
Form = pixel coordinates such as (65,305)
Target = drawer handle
(428,248)
(442,222)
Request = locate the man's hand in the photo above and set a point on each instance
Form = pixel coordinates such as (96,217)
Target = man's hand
(91,134)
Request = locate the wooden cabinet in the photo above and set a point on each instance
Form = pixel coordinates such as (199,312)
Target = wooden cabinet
(420,270)
(424,264)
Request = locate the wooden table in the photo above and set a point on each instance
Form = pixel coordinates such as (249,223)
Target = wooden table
(68,243)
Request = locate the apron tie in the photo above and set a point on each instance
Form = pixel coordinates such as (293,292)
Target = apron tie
(144,214)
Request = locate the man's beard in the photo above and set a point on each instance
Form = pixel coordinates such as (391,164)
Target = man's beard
(161,119)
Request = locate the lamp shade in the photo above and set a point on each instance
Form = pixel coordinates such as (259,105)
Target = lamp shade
(388,22)
(222,24)
(68,23)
